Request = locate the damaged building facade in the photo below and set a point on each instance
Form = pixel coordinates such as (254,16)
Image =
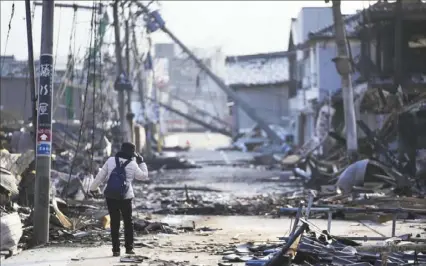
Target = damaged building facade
(314,79)
(393,63)
(262,81)
(387,52)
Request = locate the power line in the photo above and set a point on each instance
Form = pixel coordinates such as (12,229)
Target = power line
(8,33)
(71,64)
(84,105)
(57,38)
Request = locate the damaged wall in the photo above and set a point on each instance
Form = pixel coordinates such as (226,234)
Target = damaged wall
(269,101)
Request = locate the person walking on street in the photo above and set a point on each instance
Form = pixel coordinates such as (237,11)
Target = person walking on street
(119,172)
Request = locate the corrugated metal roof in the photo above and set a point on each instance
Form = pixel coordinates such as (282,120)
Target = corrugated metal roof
(257,69)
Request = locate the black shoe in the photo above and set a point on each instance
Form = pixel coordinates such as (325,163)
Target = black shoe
(130,252)
(116,254)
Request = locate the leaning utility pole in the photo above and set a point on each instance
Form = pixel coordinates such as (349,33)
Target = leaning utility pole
(230,92)
(44,127)
(130,115)
(31,69)
(343,66)
(141,89)
(120,71)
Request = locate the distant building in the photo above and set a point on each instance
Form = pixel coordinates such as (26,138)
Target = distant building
(68,97)
(177,75)
(16,94)
(262,81)
(314,78)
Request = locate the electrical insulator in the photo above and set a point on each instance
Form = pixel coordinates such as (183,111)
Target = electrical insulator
(154,21)
(160,21)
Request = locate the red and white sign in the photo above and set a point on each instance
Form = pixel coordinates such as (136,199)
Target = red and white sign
(43,135)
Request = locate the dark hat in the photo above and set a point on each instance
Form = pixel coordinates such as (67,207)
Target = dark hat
(128,148)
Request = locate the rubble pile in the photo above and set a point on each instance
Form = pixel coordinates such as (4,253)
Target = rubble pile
(308,244)
(313,247)
(208,203)
(89,226)
(204,201)
(389,152)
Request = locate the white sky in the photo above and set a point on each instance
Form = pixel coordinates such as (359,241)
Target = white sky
(239,27)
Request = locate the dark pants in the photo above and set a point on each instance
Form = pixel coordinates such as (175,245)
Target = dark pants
(115,207)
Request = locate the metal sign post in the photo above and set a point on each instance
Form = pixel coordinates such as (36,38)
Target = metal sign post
(44,128)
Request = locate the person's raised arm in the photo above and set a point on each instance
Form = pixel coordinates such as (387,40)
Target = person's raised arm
(100,177)
(141,172)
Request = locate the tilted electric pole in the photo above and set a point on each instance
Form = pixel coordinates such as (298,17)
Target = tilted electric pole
(130,115)
(142,92)
(246,107)
(343,66)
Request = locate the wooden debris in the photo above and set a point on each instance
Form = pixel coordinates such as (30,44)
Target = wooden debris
(64,220)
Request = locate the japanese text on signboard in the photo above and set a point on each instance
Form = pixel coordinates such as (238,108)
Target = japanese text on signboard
(45,92)
(44,125)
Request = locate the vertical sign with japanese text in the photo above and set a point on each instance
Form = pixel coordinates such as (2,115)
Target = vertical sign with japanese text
(44,111)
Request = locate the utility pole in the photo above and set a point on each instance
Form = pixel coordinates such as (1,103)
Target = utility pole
(31,70)
(230,92)
(157,111)
(44,127)
(120,71)
(130,115)
(141,89)
(344,68)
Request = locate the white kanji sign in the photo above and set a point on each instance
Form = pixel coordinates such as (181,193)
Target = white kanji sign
(44,90)
(43,108)
(45,70)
